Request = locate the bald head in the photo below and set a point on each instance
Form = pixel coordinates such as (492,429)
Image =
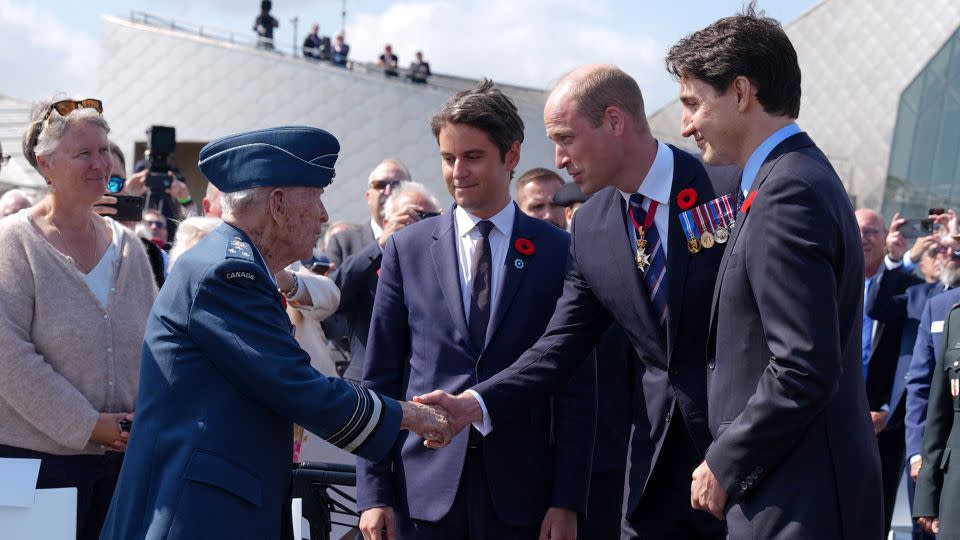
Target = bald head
(595,87)
(13,201)
(873,236)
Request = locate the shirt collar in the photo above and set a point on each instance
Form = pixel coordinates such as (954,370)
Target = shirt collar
(377,229)
(502,220)
(659,180)
(759,155)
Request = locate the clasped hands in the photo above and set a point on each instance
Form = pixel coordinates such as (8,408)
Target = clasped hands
(438,416)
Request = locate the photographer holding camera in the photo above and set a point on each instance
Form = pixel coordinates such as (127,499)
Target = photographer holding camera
(158,180)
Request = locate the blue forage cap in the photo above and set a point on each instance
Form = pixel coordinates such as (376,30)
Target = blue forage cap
(286,156)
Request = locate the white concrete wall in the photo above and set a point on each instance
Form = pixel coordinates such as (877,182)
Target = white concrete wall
(207,89)
(856,57)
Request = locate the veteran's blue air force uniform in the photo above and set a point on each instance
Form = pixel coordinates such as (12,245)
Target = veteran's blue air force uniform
(222,379)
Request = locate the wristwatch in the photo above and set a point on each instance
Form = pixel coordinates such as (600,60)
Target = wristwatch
(292,291)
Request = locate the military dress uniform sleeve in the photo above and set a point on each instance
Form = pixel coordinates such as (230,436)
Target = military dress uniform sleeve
(237,316)
(936,453)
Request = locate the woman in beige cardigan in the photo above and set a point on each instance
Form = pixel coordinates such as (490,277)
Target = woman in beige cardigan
(75,291)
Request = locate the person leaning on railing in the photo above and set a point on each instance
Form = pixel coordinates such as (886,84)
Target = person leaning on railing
(75,291)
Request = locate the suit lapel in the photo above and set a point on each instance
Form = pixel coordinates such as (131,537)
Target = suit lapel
(789,145)
(512,276)
(444,252)
(678,257)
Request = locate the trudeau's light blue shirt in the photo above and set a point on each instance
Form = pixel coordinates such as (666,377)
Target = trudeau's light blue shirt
(759,155)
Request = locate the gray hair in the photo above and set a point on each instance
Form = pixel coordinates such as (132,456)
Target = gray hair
(189,232)
(390,163)
(238,202)
(43,136)
(407,188)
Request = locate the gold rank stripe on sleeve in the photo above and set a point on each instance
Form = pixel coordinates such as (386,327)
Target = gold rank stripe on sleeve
(367,415)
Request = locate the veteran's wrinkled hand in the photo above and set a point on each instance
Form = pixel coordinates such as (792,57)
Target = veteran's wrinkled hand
(461,410)
(429,421)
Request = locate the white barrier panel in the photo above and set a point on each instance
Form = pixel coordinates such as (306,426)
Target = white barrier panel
(53,516)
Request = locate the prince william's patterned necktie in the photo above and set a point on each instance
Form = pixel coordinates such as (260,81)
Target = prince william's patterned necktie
(655,275)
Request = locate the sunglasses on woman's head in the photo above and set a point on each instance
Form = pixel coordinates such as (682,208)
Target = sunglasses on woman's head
(67,106)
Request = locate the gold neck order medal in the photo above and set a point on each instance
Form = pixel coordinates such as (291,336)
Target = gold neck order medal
(642,257)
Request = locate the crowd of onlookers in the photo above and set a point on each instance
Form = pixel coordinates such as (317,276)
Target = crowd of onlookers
(910,266)
(65,387)
(321,49)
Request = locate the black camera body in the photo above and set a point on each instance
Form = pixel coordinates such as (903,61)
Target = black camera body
(161,142)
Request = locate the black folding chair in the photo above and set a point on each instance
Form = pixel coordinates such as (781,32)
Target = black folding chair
(325,505)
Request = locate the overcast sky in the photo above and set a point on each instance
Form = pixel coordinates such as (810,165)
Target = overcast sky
(48,46)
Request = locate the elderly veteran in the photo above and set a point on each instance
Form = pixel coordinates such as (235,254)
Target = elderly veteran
(222,378)
(75,291)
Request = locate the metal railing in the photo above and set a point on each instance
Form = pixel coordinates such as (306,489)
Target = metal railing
(449,82)
(202,30)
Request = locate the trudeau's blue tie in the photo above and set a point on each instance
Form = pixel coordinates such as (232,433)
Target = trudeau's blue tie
(655,276)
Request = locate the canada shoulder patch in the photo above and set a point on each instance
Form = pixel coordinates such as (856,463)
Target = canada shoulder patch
(239,274)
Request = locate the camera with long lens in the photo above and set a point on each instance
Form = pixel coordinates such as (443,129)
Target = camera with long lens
(161,142)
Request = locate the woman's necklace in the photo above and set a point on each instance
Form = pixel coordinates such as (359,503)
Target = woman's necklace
(71,255)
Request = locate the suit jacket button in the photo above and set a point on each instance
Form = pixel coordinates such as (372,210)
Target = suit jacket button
(711,364)
(669,417)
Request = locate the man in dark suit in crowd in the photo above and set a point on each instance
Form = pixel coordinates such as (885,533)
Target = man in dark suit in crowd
(633,264)
(938,485)
(461,296)
(358,274)
(884,304)
(794,454)
(616,382)
(222,378)
(383,178)
(341,326)
(536,189)
(880,346)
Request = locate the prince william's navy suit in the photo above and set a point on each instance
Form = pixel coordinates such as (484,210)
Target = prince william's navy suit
(602,285)
(538,456)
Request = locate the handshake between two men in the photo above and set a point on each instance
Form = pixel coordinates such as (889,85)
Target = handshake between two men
(438,416)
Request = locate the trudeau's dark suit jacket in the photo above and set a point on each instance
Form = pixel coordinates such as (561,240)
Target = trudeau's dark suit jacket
(603,284)
(887,305)
(419,341)
(794,449)
(357,277)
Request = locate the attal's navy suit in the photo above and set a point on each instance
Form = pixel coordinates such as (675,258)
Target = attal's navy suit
(539,455)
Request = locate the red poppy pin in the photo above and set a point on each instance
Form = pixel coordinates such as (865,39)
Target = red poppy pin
(524,246)
(747,202)
(686,198)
